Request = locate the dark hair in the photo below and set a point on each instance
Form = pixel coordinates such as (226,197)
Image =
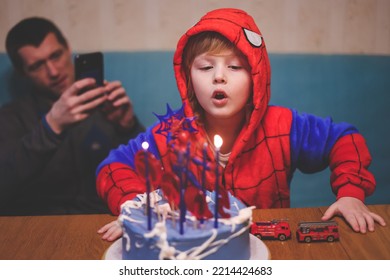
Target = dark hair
(30,31)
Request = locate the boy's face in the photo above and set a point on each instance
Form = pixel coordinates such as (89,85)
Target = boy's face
(222,84)
(49,66)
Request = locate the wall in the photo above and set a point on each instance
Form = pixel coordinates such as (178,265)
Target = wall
(289,26)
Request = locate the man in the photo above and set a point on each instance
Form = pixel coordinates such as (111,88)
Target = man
(52,140)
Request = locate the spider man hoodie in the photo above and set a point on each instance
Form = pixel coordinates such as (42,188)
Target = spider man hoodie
(273,143)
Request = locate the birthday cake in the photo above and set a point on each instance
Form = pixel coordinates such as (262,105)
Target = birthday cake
(172,237)
(182,214)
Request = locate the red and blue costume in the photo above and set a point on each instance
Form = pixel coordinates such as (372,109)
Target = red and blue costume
(271,146)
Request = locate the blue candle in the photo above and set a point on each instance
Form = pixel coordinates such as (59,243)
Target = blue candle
(145,146)
(217,143)
(204,167)
(182,205)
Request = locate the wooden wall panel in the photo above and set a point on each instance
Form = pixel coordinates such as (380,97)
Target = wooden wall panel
(289,26)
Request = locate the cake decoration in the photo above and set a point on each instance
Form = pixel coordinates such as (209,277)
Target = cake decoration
(180,187)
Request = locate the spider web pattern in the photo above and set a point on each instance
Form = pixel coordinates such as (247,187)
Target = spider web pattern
(260,175)
(174,121)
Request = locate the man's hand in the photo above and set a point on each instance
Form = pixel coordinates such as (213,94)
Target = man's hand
(118,108)
(355,212)
(72,108)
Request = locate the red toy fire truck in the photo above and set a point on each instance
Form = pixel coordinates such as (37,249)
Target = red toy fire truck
(317,231)
(275,229)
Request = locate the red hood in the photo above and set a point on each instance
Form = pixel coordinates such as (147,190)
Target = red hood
(240,28)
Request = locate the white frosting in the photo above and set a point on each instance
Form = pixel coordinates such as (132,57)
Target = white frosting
(127,238)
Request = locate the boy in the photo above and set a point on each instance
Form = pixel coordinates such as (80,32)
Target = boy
(223,75)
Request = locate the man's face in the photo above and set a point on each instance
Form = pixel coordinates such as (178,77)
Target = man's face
(49,66)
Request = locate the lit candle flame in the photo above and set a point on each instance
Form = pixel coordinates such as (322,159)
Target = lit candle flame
(218,141)
(145,145)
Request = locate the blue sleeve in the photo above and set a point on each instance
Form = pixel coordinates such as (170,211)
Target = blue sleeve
(312,139)
(125,153)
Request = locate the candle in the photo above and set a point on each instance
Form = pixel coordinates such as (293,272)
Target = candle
(204,167)
(217,144)
(183,155)
(145,146)
(182,205)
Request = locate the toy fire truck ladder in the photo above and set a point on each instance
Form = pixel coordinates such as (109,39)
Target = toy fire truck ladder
(317,224)
(275,221)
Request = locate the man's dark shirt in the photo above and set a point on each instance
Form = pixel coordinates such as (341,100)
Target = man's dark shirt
(42,173)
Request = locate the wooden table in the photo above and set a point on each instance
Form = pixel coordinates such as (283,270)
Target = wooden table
(74,237)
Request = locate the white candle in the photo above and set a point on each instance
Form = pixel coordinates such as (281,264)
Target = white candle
(145,147)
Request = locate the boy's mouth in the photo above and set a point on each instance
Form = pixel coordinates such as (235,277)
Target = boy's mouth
(219,95)
(219,98)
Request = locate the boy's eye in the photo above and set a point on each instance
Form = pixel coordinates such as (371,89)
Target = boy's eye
(205,68)
(235,67)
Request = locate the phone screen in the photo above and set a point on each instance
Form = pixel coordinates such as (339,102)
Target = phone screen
(90,65)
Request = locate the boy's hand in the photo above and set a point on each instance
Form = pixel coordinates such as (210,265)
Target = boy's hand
(111,231)
(355,212)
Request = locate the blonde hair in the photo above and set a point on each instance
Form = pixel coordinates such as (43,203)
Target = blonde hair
(205,42)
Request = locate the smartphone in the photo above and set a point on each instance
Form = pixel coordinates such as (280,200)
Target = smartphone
(89,65)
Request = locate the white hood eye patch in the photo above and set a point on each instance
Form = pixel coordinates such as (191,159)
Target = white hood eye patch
(253,38)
